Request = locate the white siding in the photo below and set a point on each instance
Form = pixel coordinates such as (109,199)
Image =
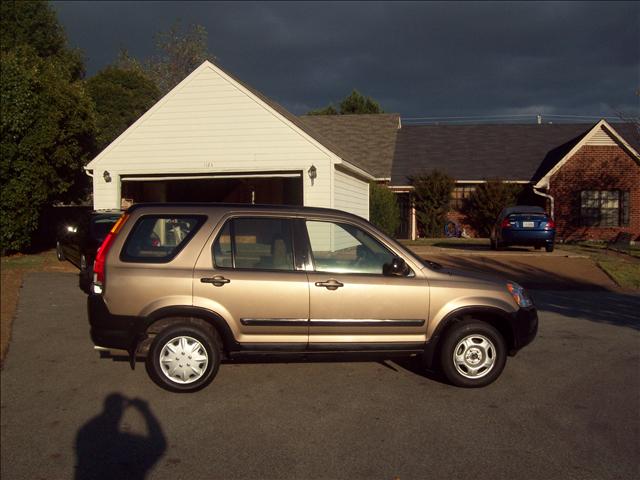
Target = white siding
(206,125)
(601,138)
(351,194)
(106,195)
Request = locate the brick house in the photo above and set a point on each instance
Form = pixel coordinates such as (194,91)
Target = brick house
(588,176)
(594,188)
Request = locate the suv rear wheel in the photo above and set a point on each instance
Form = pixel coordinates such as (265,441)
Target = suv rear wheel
(184,358)
(473,354)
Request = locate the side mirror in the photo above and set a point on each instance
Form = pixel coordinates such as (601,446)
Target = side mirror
(396,268)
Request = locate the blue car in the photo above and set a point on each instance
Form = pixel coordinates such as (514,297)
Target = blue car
(523,226)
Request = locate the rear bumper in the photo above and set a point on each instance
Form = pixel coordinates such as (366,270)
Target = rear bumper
(528,237)
(108,330)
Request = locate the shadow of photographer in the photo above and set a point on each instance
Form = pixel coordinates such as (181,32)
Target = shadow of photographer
(105,451)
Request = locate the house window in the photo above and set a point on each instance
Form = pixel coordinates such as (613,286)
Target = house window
(604,208)
(460,194)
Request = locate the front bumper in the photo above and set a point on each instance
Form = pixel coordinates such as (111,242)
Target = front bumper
(524,325)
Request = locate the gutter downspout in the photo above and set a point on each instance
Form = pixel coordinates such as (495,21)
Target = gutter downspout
(88,172)
(551,200)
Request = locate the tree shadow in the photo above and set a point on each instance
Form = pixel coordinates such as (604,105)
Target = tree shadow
(474,247)
(104,451)
(529,276)
(612,308)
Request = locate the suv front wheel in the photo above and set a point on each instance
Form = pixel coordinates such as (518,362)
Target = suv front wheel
(184,358)
(473,354)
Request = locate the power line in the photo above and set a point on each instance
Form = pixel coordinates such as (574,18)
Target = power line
(505,118)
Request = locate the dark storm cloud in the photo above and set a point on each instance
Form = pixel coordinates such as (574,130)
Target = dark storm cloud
(419,59)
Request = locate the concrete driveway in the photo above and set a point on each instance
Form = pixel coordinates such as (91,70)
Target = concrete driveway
(566,407)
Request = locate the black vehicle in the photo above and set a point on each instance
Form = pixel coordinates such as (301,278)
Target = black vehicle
(78,241)
(523,225)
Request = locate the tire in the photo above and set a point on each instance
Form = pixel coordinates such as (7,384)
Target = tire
(549,248)
(537,247)
(476,345)
(85,275)
(59,252)
(183,337)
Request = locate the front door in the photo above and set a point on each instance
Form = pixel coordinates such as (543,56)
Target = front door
(248,276)
(351,300)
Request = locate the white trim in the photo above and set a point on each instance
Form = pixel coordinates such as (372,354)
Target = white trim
(464,182)
(209,176)
(351,169)
(602,124)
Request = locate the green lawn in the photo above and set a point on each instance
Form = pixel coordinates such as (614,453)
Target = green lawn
(29,262)
(623,266)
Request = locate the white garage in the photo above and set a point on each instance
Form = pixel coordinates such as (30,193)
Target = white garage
(214,139)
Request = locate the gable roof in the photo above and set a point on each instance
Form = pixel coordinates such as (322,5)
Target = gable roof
(563,153)
(276,109)
(477,152)
(368,141)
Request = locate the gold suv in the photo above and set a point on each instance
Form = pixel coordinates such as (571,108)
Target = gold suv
(187,285)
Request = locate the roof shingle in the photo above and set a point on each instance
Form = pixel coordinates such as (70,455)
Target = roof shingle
(477,152)
(367,141)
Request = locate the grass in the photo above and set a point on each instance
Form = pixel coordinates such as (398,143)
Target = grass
(623,266)
(13,268)
(625,274)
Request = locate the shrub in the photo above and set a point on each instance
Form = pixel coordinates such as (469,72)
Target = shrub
(432,194)
(384,211)
(485,203)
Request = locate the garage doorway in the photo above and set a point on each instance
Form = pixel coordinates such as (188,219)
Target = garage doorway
(274,189)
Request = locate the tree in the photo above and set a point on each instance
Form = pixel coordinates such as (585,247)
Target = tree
(358,103)
(180,51)
(384,211)
(432,194)
(487,201)
(47,124)
(120,97)
(34,23)
(353,103)
(328,110)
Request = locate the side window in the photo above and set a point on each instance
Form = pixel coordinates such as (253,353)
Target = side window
(222,248)
(159,238)
(255,244)
(343,248)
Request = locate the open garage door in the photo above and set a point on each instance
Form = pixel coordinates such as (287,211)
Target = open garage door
(267,188)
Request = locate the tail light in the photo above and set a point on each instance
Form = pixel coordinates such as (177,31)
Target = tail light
(505,223)
(550,225)
(101,254)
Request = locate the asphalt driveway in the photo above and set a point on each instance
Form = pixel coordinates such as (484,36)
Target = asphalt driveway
(566,407)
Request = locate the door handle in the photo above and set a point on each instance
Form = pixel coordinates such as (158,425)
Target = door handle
(217,281)
(330,284)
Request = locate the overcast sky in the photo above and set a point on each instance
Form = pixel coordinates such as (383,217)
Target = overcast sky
(418,59)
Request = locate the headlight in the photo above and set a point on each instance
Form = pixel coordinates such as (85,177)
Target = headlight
(519,294)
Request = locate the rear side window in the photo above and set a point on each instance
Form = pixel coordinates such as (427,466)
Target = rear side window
(159,238)
(255,244)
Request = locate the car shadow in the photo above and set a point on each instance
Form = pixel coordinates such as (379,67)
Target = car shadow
(105,451)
